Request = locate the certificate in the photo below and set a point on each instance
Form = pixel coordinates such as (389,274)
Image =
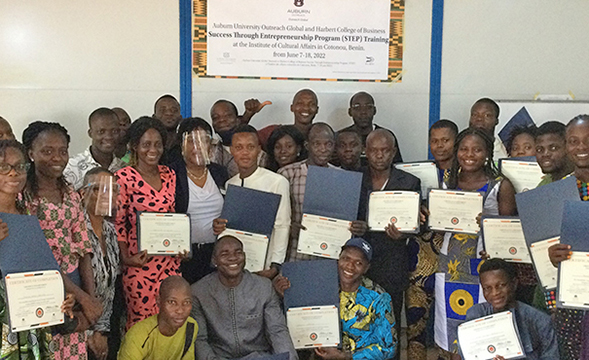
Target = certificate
(164,233)
(400,208)
(524,175)
(255,247)
(313,326)
(34,299)
(455,211)
(426,171)
(547,273)
(504,238)
(573,282)
(489,336)
(323,236)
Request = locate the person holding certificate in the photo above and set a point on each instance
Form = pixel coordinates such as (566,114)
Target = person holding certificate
(143,186)
(58,207)
(390,265)
(198,193)
(536,333)
(320,146)
(245,148)
(473,169)
(366,309)
(238,313)
(13,177)
(572,324)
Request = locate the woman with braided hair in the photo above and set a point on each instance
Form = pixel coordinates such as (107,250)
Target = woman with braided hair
(473,169)
(59,209)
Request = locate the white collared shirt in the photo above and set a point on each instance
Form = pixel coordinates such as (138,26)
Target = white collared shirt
(79,165)
(266,180)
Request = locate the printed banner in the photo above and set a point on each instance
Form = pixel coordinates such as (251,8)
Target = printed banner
(299,39)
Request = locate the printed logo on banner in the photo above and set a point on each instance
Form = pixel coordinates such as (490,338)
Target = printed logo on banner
(369,60)
(299,3)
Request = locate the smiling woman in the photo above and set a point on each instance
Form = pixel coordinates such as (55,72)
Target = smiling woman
(144,186)
(48,196)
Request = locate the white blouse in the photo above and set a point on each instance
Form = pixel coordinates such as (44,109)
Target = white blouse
(204,205)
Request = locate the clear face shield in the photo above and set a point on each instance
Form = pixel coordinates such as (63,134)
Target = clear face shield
(101,195)
(196,147)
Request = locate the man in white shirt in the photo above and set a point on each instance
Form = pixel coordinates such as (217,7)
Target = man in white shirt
(245,148)
(225,120)
(104,131)
(484,115)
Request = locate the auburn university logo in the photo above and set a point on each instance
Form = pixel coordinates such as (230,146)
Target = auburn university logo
(299,3)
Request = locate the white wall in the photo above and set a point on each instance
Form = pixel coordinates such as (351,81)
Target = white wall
(507,49)
(61,59)
(402,107)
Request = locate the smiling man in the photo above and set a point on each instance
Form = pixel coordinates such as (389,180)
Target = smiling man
(246,149)
(239,312)
(171,334)
(104,131)
(368,323)
(551,152)
(304,107)
(484,115)
(499,283)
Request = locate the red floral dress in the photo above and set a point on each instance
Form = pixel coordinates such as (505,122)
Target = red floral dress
(67,235)
(141,285)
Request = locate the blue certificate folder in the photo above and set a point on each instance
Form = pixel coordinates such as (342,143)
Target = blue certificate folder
(26,248)
(540,209)
(333,193)
(312,283)
(521,119)
(250,210)
(575,225)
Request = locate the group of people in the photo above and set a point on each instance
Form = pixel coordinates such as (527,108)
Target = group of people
(206,305)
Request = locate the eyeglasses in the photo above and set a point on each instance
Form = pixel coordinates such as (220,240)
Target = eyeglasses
(22,168)
(362,106)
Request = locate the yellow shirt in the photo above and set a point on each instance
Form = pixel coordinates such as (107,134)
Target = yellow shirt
(145,341)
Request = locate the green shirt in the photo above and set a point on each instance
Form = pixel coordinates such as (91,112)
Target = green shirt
(546,179)
(145,341)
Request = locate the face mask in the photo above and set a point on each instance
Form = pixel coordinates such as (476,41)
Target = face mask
(104,190)
(196,146)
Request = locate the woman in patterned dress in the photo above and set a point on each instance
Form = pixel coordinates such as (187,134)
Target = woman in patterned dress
(58,207)
(572,326)
(32,344)
(473,169)
(143,186)
(105,247)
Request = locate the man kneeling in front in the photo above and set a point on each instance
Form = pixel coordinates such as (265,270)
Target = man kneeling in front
(239,312)
(171,334)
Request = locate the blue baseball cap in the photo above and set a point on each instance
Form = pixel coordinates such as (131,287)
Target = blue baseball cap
(361,244)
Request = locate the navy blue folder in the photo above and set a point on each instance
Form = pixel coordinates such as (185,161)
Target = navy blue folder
(312,283)
(26,248)
(333,193)
(250,210)
(521,119)
(575,225)
(540,209)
